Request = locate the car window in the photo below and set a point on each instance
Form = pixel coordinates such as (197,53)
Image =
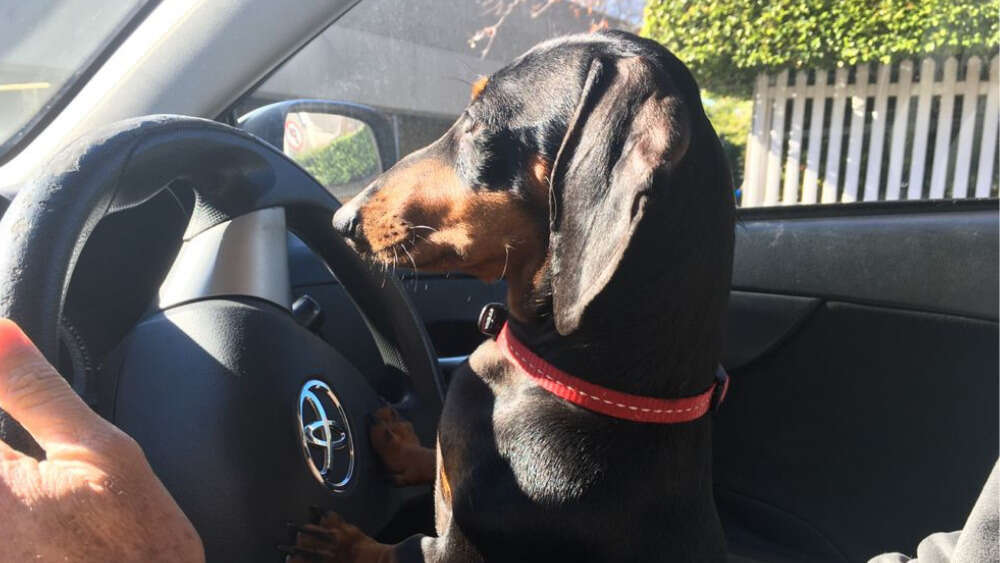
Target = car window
(45,45)
(850,102)
(415,61)
(911,130)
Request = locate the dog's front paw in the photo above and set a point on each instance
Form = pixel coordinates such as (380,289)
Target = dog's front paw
(331,538)
(396,444)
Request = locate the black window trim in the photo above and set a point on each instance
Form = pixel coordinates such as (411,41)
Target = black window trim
(913,206)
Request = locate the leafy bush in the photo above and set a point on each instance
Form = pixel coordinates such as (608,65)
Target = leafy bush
(351,157)
(727,42)
(730,116)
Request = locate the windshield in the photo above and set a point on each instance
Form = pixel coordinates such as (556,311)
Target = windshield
(44,46)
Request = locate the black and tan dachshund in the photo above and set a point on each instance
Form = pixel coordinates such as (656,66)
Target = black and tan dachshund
(586,175)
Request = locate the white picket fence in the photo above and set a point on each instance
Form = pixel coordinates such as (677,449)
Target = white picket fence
(816,142)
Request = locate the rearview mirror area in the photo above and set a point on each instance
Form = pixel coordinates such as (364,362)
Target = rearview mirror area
(343,146)
(339,151)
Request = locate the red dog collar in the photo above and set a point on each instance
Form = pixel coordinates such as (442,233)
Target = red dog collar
(606,401)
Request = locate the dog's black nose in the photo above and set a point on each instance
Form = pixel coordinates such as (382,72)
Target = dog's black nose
(346,221)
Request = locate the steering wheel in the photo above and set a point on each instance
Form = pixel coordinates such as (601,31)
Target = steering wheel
(246,416)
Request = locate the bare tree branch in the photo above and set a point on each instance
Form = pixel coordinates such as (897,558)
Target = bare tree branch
(540,9)
(500,8)
(627,10)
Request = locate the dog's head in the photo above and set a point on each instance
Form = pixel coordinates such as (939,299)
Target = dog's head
(585,172)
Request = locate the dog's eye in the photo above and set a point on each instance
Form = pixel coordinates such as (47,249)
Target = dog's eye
(471,125)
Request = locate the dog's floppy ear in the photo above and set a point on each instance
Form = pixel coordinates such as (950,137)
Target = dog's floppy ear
(629,130)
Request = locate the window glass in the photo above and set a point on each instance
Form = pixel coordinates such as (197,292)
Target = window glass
(415,61)
(44,45)
(853,102)
(340,152)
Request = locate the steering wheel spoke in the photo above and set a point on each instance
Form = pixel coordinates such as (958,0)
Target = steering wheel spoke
(246,256)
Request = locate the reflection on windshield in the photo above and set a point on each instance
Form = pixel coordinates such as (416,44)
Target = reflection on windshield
(44,44)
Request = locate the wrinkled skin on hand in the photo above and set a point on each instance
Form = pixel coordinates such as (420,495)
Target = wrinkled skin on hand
(94,497)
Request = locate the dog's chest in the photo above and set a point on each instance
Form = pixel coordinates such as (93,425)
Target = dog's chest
(498,425)
(522,464)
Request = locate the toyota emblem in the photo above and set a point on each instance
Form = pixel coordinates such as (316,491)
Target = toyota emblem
(325,435)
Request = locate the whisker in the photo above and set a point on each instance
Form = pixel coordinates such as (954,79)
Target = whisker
(423,227)
(506,259)
(458,79)
(414,262)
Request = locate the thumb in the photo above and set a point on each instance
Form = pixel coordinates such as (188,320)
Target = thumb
(35,395)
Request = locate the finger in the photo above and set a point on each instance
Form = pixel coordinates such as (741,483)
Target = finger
(36,396)
(8,453)
(18,477)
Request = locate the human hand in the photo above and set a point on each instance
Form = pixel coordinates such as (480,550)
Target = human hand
(94,497)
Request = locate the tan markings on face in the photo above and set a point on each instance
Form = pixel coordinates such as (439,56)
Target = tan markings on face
(539,169)
(478,86)
(425,215)
(443,484)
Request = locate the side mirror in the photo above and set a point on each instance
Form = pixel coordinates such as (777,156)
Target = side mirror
(343,145)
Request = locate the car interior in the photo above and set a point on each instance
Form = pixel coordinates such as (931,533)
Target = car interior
(862,344)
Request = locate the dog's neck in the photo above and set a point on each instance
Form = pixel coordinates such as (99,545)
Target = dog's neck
(654,332)
(656,355)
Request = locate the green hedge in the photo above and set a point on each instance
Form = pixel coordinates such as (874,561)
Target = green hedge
(727,42)
(351,157)
(731,118)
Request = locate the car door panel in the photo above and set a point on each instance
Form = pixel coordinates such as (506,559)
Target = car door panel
(929,256)
(871,423)
(759,322)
